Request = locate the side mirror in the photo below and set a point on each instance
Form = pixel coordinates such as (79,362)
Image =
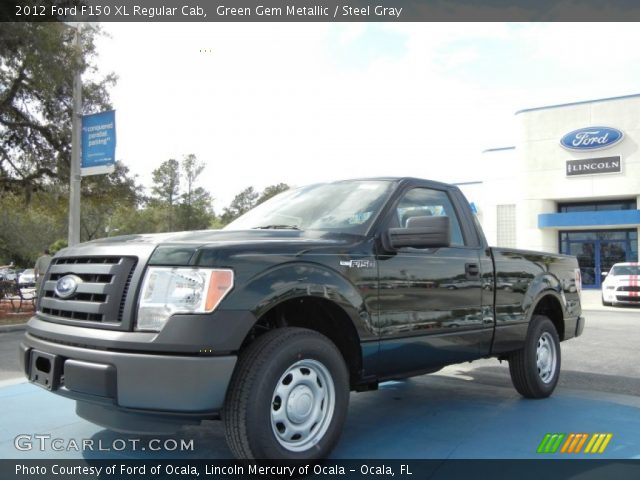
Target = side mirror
(604,274)
(421,232)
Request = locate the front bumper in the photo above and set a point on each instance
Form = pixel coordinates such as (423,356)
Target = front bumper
(124,385)
(621,295)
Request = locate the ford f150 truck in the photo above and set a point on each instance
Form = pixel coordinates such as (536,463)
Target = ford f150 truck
(269,323)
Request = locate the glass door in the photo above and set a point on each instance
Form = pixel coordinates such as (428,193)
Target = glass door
(585,251)
(598,250)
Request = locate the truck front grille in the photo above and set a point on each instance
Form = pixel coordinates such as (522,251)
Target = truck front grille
(101,291)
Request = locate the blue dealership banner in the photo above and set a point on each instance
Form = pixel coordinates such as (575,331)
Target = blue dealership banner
(98,143)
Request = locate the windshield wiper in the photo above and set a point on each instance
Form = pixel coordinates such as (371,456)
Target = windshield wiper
(277,227)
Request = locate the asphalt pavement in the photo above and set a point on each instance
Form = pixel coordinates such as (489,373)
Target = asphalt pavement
(9,367)
(464,411)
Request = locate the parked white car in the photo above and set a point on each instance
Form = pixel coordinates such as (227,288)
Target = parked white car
(27,278)
(622,285)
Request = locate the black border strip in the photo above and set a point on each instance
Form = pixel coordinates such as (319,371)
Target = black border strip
(319,10)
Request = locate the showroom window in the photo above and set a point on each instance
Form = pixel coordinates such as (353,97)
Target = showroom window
(597,206)
(598,250)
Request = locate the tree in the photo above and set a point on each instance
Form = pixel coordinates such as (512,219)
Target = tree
(272,191)
(37,64)
(241,203)
(249,198)
(25,232)
(166,187)
(102,196)
(196,201)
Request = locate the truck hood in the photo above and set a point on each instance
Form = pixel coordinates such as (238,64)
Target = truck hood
(292,240)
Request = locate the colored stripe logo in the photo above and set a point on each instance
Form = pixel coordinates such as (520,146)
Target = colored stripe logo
(574,443)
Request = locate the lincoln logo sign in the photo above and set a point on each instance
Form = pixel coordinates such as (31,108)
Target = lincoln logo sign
(590,166)
(591,138)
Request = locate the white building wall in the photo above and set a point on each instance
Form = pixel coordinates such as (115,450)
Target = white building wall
(544,159)
(500,186)
(533,175)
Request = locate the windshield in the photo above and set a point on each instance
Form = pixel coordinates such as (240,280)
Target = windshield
(624,270)
(348,206)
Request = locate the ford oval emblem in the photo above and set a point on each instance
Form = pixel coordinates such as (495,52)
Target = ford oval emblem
(591,138)
(66,286)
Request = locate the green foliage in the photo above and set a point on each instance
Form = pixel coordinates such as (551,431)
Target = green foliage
(249,198)
(272,191)
(175,211)
(166,187)
(102,196)
(37,64)
(195,211)
(58,245)
(26,232)
(241,203)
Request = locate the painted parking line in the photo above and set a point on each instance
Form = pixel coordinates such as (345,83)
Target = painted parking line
(431,417)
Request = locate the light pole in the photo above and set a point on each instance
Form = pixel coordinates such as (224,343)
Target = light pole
(75,178)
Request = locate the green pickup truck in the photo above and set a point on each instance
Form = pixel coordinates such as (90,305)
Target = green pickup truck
(270,323)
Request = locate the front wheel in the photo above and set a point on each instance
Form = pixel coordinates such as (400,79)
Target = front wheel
(288,398)
(535,368)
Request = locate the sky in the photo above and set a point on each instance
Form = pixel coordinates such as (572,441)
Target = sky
(264,103)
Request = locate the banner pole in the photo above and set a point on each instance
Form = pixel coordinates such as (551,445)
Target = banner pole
(75,178)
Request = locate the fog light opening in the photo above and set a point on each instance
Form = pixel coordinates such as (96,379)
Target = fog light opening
(43,364)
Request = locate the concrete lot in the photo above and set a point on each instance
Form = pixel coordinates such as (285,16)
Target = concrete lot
(463,411)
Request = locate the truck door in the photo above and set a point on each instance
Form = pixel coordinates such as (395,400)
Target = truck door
(430,304)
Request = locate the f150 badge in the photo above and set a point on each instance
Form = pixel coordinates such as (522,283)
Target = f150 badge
(358,263)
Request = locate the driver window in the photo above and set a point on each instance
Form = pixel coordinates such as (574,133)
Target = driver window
(420,202)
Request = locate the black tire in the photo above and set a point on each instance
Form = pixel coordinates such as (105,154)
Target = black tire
(528,379)
(606,304)
(316,368)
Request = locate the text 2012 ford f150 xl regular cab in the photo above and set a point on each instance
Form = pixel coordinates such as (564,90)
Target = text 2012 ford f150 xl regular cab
(271,322)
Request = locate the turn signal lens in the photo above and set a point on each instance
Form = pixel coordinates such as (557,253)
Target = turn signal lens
(220,283)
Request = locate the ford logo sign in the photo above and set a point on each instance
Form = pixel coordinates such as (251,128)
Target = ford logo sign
(591,138)
(66,286)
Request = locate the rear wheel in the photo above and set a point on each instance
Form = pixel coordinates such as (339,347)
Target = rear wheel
(535,368)
(288,397)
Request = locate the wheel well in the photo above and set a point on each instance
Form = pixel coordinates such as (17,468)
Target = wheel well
(317,314)
(550,307)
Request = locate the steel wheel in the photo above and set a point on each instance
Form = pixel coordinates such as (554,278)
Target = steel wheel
(535,368)
(288,397)
(302,405)
(546,357)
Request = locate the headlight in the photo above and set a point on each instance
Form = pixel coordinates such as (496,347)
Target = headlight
(167,290)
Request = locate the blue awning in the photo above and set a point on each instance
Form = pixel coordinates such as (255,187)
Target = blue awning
(589,219)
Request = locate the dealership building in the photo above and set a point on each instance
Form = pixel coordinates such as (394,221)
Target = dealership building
(570,184)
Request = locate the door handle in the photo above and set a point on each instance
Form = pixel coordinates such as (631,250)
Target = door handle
(471,269)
